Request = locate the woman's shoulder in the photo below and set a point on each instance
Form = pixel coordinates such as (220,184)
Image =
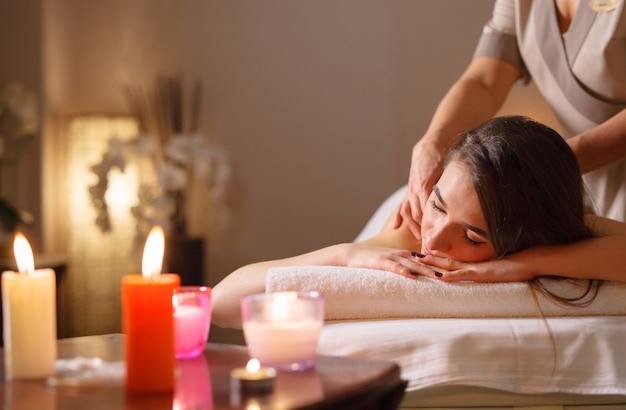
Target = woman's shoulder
(398,238)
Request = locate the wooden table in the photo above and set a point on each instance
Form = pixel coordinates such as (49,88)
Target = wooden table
(204,383)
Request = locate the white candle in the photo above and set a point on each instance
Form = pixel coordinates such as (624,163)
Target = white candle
(29,317)
(277,343)
(282,329)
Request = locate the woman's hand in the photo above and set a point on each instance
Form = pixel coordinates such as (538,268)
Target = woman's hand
(511,268)
(403,262)
(426,168)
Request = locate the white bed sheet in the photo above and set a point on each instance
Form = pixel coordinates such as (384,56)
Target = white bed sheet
(506,361)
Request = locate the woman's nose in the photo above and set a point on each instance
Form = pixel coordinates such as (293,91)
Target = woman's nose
(438,239)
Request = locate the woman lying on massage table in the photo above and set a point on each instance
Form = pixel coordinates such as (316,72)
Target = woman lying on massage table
(508,207)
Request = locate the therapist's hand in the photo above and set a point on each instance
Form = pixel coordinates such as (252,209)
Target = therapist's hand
(426,168)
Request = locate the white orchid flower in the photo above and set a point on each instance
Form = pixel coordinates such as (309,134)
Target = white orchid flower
(172,177)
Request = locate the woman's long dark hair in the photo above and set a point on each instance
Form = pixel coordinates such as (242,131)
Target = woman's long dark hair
(529,187)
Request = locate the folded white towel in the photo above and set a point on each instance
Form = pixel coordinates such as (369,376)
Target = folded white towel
(358,293)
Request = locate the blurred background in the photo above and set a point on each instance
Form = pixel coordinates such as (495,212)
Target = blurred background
(317,104)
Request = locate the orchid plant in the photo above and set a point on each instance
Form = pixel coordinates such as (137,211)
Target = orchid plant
(176,159)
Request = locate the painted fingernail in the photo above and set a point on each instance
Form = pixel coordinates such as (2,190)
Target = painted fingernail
(438,274)
(415,274)
(417,254)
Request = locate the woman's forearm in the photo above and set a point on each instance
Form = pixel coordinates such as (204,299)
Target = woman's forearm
(391,250)
(599,258)
(249,279)
(602,257)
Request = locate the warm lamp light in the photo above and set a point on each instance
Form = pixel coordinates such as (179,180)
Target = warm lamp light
(96,260)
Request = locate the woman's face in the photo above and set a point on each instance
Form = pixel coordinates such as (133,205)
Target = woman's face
(453,223)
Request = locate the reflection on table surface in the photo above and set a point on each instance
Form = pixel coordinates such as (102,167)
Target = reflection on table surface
(204,383)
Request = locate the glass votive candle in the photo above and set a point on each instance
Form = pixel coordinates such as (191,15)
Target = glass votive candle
(192,320)
(281,329)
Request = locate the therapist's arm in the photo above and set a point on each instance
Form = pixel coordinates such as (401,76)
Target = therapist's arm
(601,145)
(473,99)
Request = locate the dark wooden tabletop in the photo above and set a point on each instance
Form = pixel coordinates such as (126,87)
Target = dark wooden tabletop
(204,383)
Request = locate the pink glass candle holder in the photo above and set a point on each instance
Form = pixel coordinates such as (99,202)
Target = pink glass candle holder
(192,320)
(281,329)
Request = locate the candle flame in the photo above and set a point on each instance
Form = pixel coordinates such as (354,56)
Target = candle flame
(23,254)
(153,254)
(253,365)
(280,304)
(253,404)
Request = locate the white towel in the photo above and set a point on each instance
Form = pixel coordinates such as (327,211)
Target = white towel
(358,293)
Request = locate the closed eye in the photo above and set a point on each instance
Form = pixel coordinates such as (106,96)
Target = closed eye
(473,231)
(471,241)
(434,205)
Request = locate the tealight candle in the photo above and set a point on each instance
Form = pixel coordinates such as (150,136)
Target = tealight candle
(252,379)
(29,315)
(148,322)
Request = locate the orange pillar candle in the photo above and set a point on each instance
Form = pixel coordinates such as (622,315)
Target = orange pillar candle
(29,317)
(148,322)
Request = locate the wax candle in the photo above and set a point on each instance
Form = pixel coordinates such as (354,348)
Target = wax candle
(148,322)
(252,379)
(192,319)
(29,317)
(282,329)
(190,322)
(284,344)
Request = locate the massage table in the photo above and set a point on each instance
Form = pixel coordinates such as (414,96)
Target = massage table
(470,345)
